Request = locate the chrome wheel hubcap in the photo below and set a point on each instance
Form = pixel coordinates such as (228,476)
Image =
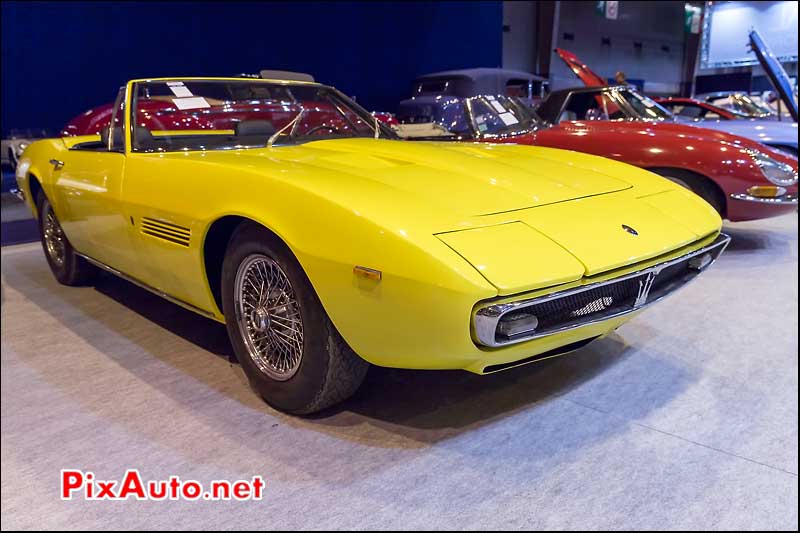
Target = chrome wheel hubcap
(260,319)
(54,239)
(268,316)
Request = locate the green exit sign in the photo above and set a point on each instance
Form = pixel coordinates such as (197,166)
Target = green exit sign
(609,9)
(693,15)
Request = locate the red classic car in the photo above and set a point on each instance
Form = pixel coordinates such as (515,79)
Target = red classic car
(778,134)
(742,179)
(159,112)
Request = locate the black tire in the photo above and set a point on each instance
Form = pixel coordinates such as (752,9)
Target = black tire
(700,185)
(328,370)
(67,266)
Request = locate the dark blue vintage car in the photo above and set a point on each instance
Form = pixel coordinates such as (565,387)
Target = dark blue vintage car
(479,81)
(440,97)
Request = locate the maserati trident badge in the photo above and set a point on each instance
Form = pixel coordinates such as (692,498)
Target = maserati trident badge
(644,289)
(630,230)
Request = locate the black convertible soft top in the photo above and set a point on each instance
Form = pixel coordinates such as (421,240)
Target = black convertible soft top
(476,81)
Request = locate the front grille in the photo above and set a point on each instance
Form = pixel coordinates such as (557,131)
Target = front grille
(604,299)
(585,304)
(495,325)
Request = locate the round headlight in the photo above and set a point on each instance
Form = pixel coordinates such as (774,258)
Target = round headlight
(21,148)
(775,171)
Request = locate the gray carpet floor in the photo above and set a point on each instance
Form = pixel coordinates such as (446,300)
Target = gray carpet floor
(17,224)
(686,417)
(13,209)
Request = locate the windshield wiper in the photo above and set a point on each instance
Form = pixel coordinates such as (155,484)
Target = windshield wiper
(291,125)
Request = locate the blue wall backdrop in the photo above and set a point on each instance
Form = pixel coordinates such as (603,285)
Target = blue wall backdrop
(61,58)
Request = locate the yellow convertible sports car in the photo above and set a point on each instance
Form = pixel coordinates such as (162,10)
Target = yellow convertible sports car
(286,211)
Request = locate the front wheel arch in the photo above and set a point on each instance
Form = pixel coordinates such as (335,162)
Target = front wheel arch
(215,245)
(34,187)
(701,185)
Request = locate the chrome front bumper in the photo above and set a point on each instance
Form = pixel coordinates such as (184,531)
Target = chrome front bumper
(786,199)
(594,302)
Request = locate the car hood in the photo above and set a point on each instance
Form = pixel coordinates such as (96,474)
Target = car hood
(563,243)
(580,69)
(660,130)
(560,208)
(775,72)
(457,179)
(550,207)
(763,131)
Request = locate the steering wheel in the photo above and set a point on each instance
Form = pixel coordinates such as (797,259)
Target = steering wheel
(332,129)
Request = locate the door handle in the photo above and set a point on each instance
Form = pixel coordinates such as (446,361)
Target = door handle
(57,165)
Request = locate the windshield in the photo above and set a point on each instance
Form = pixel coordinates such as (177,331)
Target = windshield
(233,114)
(426,117)
(644,107)
(611,104)
(744,105)
(501,115)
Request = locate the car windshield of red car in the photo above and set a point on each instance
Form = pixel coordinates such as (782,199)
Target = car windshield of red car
(612,104)
(644,107)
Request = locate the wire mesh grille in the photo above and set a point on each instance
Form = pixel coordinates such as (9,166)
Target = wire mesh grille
(610,298)
(584,304)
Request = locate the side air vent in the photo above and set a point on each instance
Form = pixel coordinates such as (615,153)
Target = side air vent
(166,231)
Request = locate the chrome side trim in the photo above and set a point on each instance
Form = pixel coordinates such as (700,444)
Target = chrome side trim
(487,318)
(147,287)
(788,199)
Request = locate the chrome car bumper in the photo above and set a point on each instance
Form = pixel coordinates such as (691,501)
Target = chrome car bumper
(19,193)
(595,302)
(786,199)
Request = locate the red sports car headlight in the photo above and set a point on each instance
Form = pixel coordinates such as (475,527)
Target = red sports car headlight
(775,171)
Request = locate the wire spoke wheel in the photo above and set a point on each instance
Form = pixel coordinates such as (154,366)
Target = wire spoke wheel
(54,239)
(268,316)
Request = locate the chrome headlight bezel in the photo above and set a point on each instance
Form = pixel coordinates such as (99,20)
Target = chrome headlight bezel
(773,170)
